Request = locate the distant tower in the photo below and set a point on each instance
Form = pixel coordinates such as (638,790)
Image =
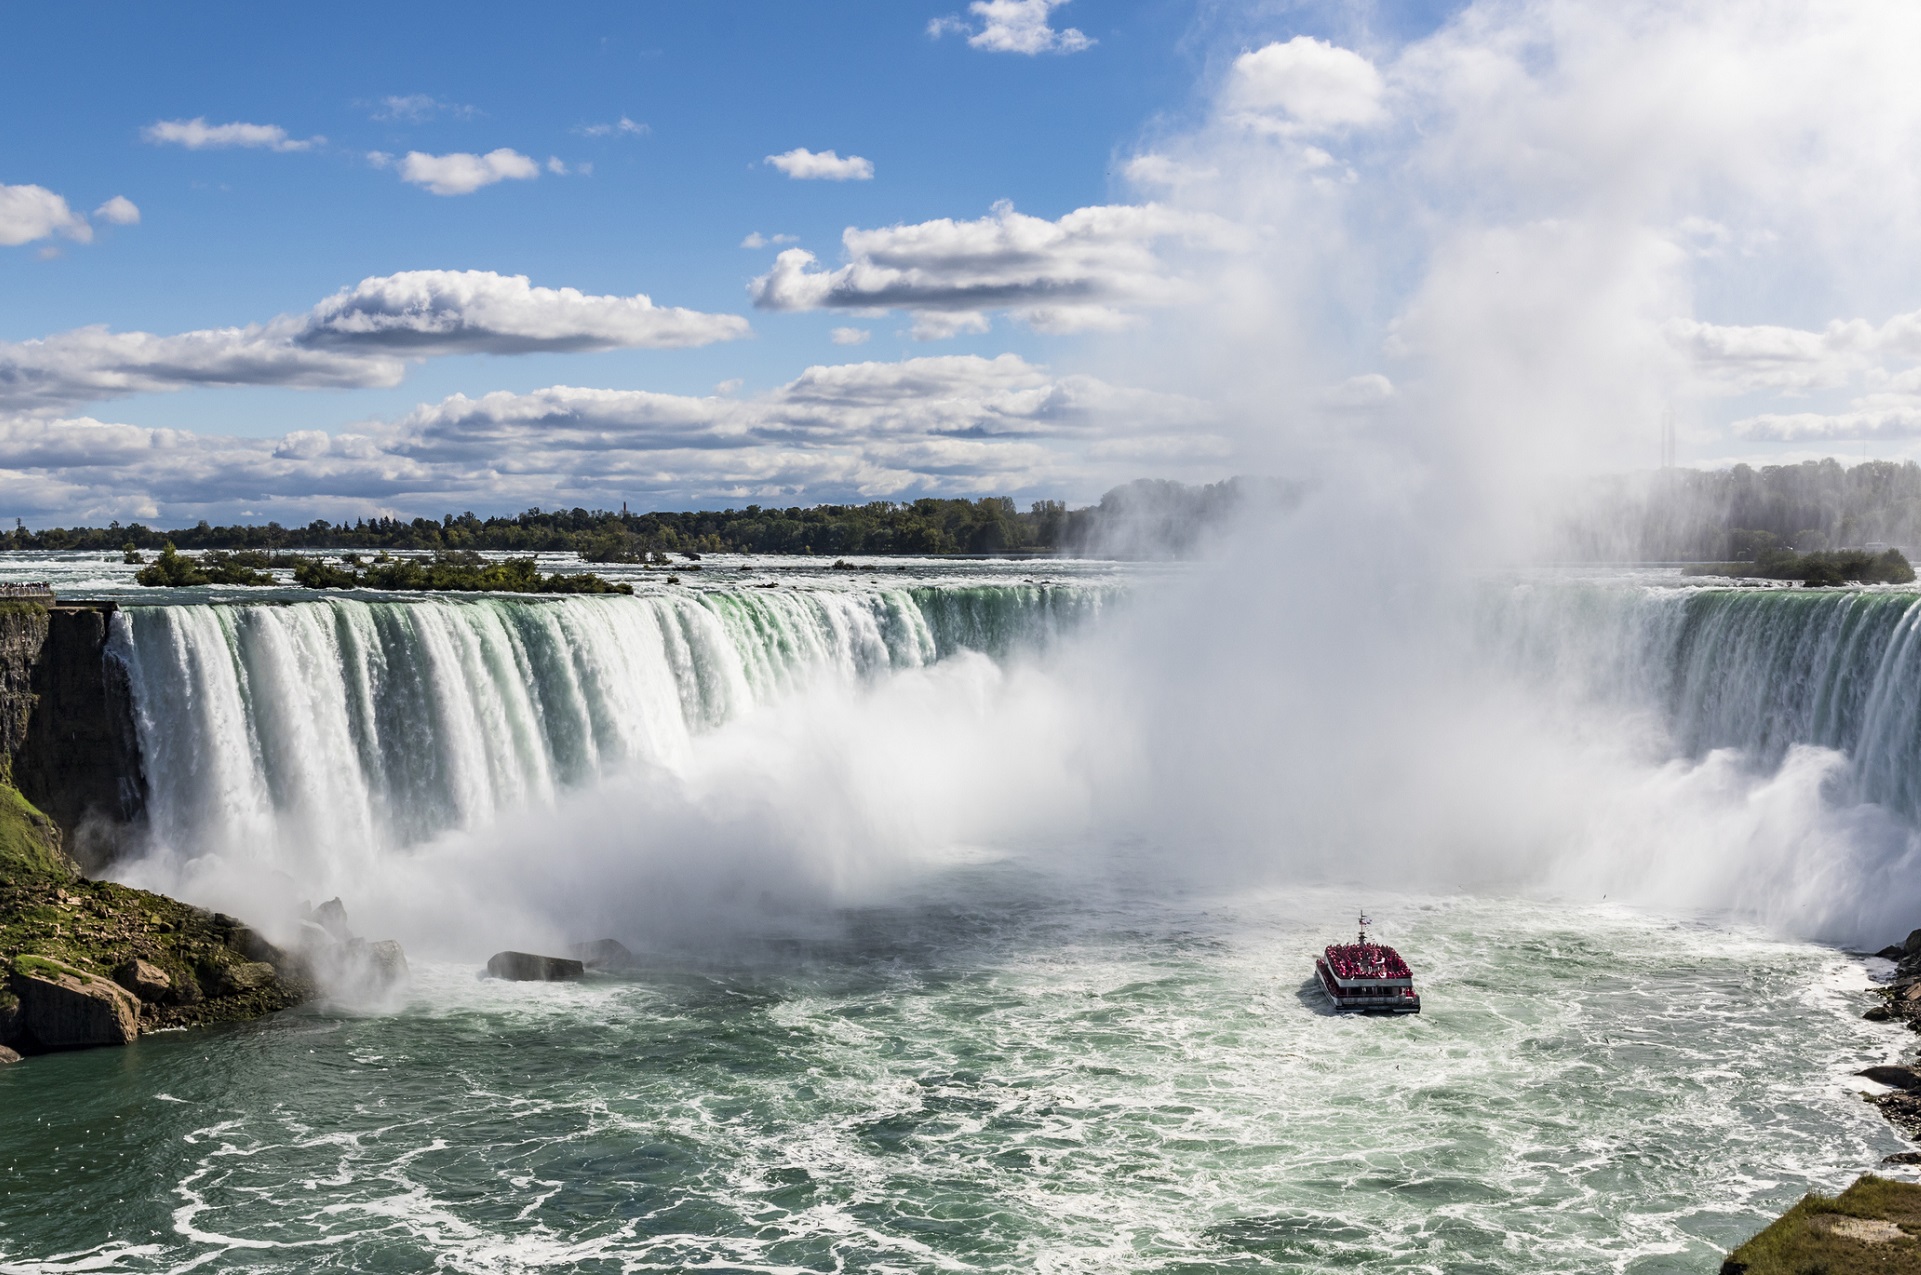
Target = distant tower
(1667,439)
(623,509)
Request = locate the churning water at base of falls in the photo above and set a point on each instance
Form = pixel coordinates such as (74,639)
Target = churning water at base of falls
(1015,1076)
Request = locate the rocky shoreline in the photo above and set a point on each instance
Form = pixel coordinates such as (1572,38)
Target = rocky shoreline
(1875,1225)
(86,963)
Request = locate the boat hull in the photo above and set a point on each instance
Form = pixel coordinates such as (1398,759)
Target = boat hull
(1366,996)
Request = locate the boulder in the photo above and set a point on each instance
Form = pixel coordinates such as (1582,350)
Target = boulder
(525,967)
(604,954)
(66,1008)
(148,982)
(1893,1077)
(1913,946)
(331,916)
(386,963)
(246,976)
(7,1056)
(1877,1014)
(247,941)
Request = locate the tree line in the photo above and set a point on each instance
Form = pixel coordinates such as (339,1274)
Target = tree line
(1147,518)
(1744,513)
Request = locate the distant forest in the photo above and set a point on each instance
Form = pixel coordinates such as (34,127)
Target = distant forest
(1149,518)
(1739,514)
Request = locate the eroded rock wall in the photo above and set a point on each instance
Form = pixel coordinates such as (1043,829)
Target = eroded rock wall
(66,725)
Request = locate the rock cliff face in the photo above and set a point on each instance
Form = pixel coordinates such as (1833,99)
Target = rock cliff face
(66,726)
(23,633)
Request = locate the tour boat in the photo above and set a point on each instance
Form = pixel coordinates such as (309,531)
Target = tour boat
(1367,978)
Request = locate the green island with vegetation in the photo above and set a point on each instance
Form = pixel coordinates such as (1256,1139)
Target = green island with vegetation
(1822,568)
(462,571)
(1872,1228)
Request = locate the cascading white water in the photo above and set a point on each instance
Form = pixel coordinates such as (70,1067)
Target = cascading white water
(1759,671)
(343,723)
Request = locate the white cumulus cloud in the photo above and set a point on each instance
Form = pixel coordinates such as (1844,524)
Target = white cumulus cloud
(119,211)
(417,108)
(461,173)
(849,336)
(802,164)
(28,213)
(623,127)
(958,425)
(1083,271)
(1311,85)
(360,336)
(196,134)
(1013,26)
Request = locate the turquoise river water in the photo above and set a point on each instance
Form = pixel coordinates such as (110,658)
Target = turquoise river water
(1004,1079)
(997,1061)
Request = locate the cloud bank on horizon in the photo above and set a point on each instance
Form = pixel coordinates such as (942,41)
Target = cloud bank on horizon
(1507,244)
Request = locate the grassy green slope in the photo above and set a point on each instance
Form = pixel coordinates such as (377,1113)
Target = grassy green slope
(1872,1228)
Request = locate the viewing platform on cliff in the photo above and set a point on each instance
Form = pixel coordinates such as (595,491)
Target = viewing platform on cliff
(26,592)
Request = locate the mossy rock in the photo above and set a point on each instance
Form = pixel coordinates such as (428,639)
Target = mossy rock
(1872,1228)
(29,841)
(55,918)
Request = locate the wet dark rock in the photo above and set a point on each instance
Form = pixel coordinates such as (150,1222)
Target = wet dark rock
(349,965)
(1892,952)
(1903,1110)
(1902,1157)
(148,982)
(65,1008)
(70,738)
(526,967)
(1895,1077)
(387,962)
(1878,1014)
(604,954)
(247,976)
(331,916)
(249,943)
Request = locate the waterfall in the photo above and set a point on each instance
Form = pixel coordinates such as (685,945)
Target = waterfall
(350,722)
(1754,670)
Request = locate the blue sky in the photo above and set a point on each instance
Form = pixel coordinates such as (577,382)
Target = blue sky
(1090,241)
